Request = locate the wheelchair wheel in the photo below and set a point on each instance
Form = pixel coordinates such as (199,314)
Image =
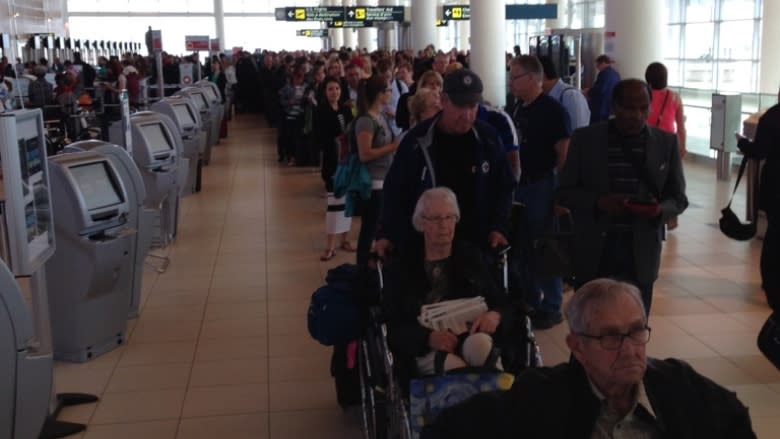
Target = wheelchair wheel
(373,404)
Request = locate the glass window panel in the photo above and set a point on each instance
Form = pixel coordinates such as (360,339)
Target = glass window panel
(696,98)
(673,8)
(736,76)
(145,6)
(737,9)
(237,6)
(597,16)
(698,41)
(110,6)
(736,40)
(193,6)
(672,43)
(266,33)
(699,10)
(698,74)
(750,103)
(697,125)
(578,16)
(673,66)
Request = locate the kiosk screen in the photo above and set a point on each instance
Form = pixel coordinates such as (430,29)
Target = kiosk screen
(204,101)
(210,92)
(156,138)
(97,187)
(182,112)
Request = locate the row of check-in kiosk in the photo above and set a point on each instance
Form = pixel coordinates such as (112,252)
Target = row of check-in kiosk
(80,225)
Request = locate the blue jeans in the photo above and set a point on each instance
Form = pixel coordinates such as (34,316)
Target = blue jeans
(541,294)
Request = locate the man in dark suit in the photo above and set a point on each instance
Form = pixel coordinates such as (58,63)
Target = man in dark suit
(622,181)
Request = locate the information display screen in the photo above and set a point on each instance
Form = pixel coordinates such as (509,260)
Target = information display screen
(97,187)
(156,138)
(182,112)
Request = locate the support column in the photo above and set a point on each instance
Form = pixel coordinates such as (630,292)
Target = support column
(219,20)
(770,47)
(633,42)
(367,35)
(336,35)
(441,32)
(388,33)
(424,23)
(488,21)
(350,35)
(464,35)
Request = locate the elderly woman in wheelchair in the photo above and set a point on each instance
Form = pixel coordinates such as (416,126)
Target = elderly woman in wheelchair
(436,320)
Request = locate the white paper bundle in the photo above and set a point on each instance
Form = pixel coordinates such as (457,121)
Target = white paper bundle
(453,315)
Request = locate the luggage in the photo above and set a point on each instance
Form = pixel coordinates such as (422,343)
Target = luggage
(344,370)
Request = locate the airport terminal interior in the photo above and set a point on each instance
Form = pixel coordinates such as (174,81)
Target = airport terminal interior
(216,242)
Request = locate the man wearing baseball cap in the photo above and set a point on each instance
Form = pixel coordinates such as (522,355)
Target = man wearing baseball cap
(454,150)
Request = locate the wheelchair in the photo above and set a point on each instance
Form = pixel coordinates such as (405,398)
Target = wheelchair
(385,403)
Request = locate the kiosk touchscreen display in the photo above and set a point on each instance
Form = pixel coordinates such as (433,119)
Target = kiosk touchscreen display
(204,101)
(184,115)
(156,138)
(210,92)
(96,185)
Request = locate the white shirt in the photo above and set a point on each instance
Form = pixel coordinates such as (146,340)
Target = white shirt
(573,101)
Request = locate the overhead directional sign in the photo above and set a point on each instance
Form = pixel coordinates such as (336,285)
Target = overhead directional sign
(349,24)
(313,13)
(312,33)
(458,12)
(375,13)
(513,12)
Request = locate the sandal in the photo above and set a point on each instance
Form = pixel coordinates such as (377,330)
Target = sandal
(327,255)
(346,246)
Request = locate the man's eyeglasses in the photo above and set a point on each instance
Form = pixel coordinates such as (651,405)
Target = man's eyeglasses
(613,342)
(451,218)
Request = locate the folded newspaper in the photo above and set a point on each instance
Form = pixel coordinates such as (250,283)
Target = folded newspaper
(453,315)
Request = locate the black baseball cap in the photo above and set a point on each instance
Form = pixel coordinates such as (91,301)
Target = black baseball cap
(463,87)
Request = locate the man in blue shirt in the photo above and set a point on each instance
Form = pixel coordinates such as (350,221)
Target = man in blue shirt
(570,97)
(601,91)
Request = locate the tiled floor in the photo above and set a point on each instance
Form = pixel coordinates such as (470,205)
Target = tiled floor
(221,348)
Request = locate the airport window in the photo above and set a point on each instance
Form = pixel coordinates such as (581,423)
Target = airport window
(712,47)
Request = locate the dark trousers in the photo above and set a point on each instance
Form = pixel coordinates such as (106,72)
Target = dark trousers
(770,264)
(618,262)
(290,136)
(368,221)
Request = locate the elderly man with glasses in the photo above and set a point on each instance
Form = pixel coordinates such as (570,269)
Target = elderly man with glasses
(609,388)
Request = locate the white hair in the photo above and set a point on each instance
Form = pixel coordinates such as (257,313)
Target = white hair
(438,193)
(593,294)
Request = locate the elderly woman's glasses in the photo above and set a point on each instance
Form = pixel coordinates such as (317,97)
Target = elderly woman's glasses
(441,219)
(613,342)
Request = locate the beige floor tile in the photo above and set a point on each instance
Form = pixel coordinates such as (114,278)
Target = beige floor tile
(149,378)
(288,308)
(116,408)
(166,331)
(766,427)
(293,345)
(237,295)
(732,343)
(322,424)
(757,366)
(179,298)
(228,311)
(666,306)
(227,350)
(681,347)
(137,354)
(83,378)
(284,369)
(283,325)
(145,430)
(167,281)
(708,324)
(722,371)
(226,373)
(173,313)
(302,395)
(233,329)
(759,398)
(225,400)
(79,414)
(252,426)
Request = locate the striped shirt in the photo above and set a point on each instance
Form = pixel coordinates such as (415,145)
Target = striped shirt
(623,177)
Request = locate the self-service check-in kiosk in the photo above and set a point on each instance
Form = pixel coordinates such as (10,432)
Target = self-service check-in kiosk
(140,218)
(156,156)
(215,97)
(208,116)
(28,405)
(90,274)
(26,242)
(187,119)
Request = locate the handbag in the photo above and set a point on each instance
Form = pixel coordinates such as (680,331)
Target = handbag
(769,339)
(729,223)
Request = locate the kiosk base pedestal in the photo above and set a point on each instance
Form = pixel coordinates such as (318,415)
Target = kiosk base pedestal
(52,428)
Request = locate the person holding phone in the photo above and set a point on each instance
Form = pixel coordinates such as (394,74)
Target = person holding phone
(622,180)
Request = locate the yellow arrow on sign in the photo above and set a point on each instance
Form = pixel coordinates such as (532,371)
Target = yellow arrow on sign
(300,14)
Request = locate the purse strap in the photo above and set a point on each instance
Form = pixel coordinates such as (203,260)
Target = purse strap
(742,167)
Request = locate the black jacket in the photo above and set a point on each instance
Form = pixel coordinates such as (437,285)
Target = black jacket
(766,146)
(557,402)
(407,286)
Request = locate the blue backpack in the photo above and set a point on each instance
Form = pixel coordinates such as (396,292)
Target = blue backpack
(335,316)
